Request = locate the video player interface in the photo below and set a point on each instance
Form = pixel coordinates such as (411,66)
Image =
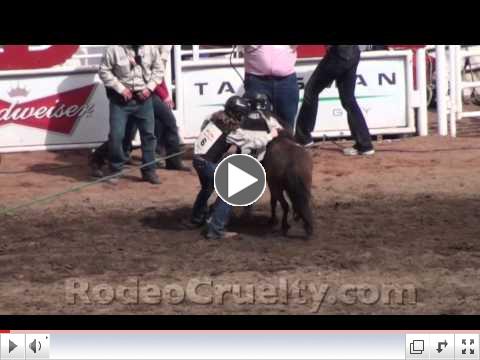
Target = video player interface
(231,345)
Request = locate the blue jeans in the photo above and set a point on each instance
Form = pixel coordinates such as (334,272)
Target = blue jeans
(282,91)
(100,155)
(221,211)
(144,118)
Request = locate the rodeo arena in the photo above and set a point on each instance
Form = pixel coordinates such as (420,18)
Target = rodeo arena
(129,178)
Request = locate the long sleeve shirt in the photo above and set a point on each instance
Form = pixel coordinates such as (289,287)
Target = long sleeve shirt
(251,142)
(212,142)
(119,70)
(165,51)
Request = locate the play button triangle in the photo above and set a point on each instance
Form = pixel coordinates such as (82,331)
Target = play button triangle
(11,346)
(238,180)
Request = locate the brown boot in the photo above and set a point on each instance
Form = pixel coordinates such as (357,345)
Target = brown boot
(95,167)
(176,164)
(151,177)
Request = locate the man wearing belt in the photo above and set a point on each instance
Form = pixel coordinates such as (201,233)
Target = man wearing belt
(131,73)
(270,70)
(166,129)
(340,65)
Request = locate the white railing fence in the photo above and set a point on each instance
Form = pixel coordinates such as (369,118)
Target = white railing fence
(421,74)
(450,66)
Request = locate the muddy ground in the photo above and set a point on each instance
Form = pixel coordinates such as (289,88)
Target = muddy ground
(407,218)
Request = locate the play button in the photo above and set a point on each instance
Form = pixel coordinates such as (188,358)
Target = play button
(240,180)
(11,346)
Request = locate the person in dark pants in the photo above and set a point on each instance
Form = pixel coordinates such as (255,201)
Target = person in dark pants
(270,70)
(130,74)
(340,65)
(166,131)
(99,158)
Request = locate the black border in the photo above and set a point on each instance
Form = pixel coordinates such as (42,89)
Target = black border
(224,23)
(220,22)
(246,322)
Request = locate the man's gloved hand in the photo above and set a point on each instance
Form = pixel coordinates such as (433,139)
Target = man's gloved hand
(144,95)
(127,95)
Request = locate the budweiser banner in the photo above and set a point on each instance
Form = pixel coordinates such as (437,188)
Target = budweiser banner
(52,111)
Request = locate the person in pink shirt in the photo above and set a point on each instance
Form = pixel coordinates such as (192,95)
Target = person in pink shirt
(270,70)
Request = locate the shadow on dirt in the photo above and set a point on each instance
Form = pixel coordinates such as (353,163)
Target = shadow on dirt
(255,224)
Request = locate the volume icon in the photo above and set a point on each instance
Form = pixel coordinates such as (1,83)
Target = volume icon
(35,346)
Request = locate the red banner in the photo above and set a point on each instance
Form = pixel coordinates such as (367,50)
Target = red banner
(23,57)
(311,51)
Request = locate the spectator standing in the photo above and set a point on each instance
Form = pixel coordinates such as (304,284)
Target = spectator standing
(270,70)
(339,64)
(131,73)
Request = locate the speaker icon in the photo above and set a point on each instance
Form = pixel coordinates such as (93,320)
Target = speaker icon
(35,346)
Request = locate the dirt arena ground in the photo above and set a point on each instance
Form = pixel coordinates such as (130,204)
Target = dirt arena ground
(407,218)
